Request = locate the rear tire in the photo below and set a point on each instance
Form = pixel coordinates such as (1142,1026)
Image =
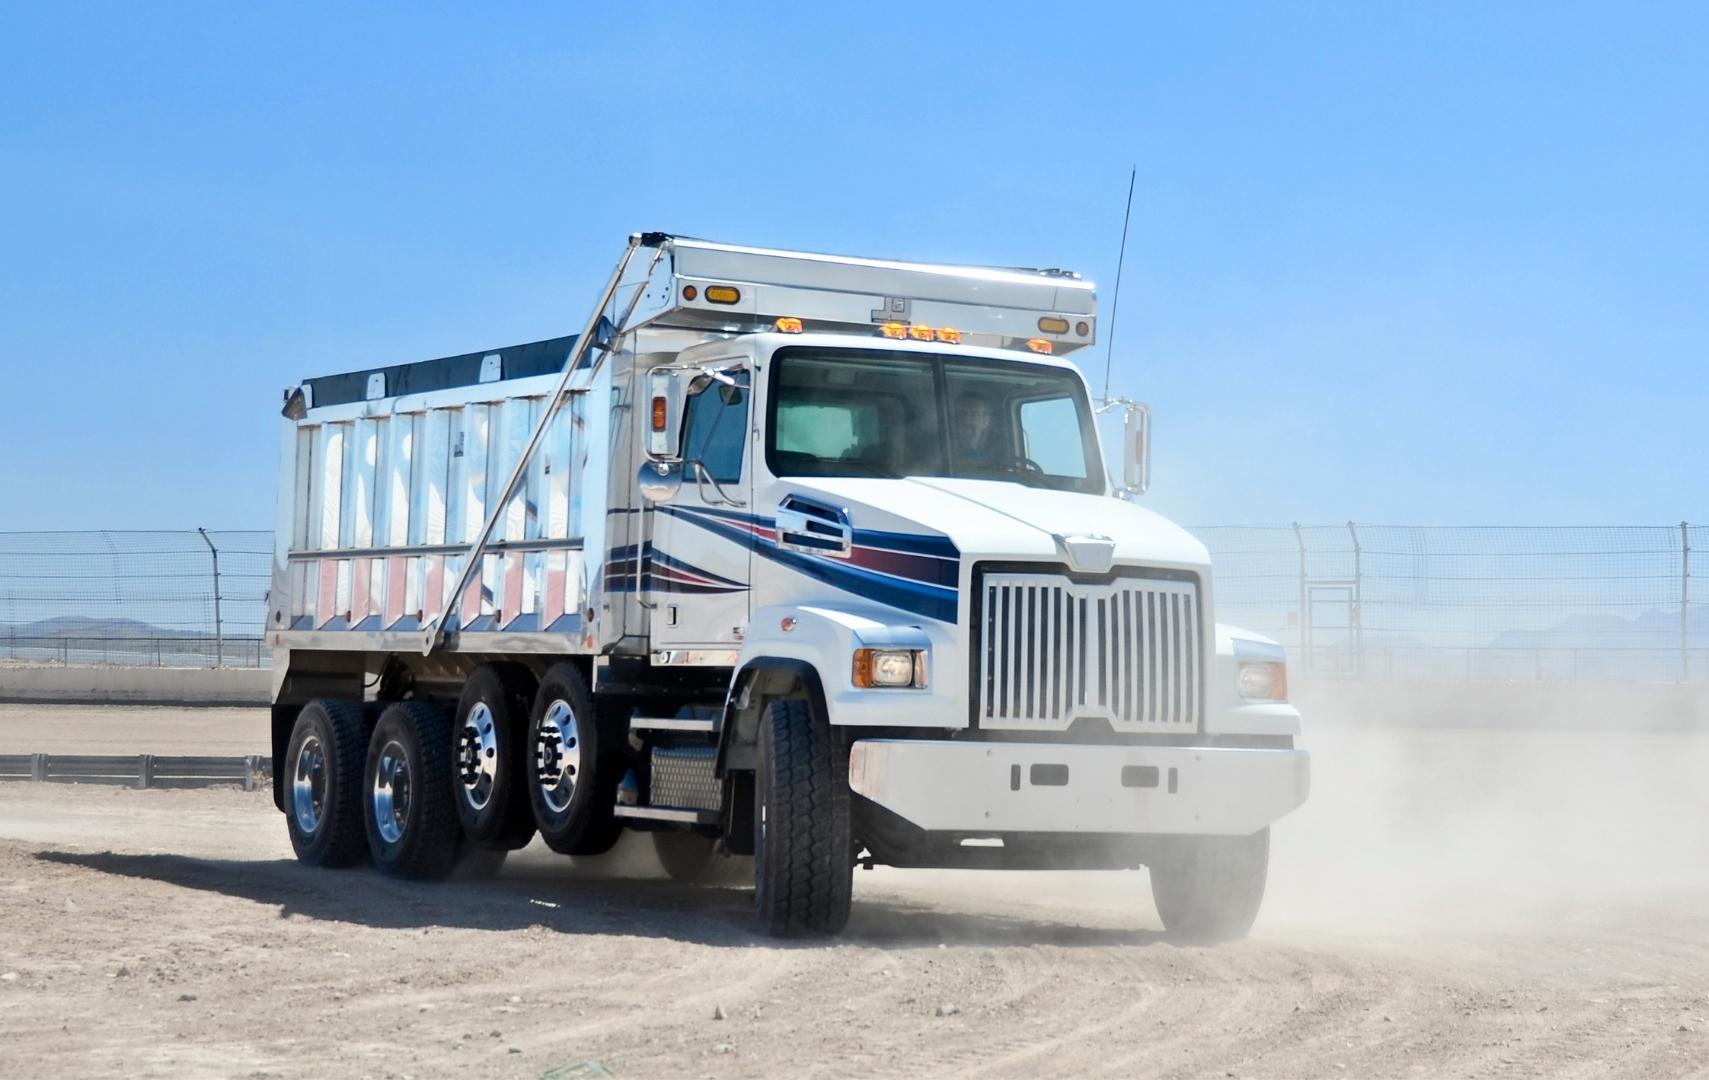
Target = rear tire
(1209,888)
(323,784)
(489,746)
(686,856)
(803,853)
(572,767)
(410,808)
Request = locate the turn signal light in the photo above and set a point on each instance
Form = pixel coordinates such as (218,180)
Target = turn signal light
(1039,345)
(659,409)
(894,330)
(723,294)
(1050,324)
(789,325)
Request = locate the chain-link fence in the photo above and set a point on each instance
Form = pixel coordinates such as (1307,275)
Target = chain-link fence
(172,599)
(1470,604)
(1349,601)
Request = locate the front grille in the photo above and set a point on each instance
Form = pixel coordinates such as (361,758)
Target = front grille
(1052,651)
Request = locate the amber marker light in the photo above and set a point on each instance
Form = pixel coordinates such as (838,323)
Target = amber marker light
(1050,324)
(659,407)
(1039,345)
(949,335)
(723,294)
(894,330)
(689,292)
(789,325)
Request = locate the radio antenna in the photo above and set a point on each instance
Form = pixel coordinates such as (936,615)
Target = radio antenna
(1115,301)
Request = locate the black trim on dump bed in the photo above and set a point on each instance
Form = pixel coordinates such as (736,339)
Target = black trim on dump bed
(518,362)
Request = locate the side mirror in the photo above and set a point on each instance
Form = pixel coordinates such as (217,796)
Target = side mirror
(1136,448)
(663,424)
(659,481)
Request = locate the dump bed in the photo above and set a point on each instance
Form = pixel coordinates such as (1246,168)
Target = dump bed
(391,474)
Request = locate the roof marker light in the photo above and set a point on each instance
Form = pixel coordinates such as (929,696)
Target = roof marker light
(894,330)
(789,325)
(1039,345)
(949,335)
(920,333)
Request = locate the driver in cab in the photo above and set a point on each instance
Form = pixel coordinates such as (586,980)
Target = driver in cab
(979,443)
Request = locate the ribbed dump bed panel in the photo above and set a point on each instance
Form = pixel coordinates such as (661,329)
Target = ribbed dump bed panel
(1051,651)
(386,503)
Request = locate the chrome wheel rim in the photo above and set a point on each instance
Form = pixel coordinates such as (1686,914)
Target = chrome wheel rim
(558,755)
(391,792)
(477,756)
(308,785)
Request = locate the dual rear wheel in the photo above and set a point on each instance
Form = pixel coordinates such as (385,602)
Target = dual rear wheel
(423,791)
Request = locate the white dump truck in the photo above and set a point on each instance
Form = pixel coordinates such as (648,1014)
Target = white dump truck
(804,557)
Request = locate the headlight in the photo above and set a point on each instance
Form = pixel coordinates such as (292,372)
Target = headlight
(1263,680)
(889,668)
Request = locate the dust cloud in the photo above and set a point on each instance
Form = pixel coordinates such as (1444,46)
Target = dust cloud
(1523,824)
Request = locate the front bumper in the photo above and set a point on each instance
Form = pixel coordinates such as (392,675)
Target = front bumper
(1005,787)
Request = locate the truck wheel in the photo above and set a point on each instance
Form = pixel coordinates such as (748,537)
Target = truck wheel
(572,772)
(411,811)
(489,746)
(803,855)
(1209,888)
(323,783)
(686,856)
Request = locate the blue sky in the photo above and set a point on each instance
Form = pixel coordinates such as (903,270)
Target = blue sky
(1426,264)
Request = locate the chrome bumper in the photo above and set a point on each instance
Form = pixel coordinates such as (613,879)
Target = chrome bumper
(1052,787)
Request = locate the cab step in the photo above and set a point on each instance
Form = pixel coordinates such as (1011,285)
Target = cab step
(676,815)
(676,725)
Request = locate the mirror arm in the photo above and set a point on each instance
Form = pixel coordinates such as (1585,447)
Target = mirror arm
(702,477)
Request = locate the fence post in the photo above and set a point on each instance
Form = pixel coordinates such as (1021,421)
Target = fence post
(1684,602)
(219,631)
(1305,601)
(1358,605)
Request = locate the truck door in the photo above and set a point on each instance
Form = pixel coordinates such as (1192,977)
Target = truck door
(697,563)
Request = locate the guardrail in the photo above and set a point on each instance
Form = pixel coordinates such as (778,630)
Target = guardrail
(137,770)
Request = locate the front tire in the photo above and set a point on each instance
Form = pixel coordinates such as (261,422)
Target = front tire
(323,784)
(803,853)
(410,809)
(490,749)
(572,771)
(1209,888)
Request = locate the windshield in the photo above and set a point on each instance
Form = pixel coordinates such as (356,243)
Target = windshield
(873,412)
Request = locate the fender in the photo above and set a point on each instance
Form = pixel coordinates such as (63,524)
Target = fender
(738,735)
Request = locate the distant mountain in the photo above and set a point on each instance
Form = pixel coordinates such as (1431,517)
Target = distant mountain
(80,626)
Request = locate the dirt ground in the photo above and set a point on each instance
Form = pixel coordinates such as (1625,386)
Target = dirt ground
(1448,904)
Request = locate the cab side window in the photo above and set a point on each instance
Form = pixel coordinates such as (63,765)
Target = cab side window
(715,427)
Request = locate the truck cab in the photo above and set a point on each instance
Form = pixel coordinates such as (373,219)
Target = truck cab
(862,592)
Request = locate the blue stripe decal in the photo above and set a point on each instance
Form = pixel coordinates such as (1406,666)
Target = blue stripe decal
(921,598)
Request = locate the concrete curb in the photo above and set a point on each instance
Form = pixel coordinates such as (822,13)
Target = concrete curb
(135,686)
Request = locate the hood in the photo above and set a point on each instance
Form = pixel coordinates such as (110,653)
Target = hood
(990,519)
